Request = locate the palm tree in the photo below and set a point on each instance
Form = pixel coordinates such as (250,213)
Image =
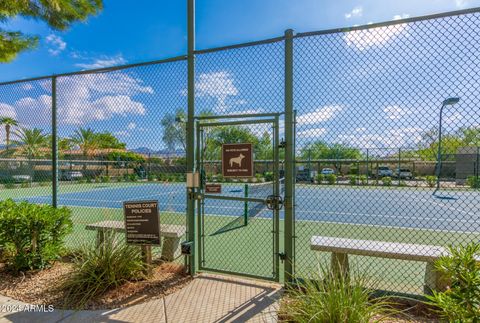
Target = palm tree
(86,139)
(8,122)
(31,141)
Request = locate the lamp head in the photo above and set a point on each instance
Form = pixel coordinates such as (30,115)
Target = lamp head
(451,101)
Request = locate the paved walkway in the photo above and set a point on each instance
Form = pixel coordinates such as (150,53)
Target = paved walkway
(209,298)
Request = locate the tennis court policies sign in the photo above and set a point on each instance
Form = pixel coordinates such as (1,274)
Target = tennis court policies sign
(237,160)
(142,223)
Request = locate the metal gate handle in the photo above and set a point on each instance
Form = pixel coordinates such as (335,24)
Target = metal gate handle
(274,202)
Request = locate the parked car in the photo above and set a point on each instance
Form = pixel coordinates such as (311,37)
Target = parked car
(404,173)
(327,171)
(72,175)
(384,171)
(22,178)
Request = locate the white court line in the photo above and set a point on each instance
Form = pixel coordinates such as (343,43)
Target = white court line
(109,201)
(446,206)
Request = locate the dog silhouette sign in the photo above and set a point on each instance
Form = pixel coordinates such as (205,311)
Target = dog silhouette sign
(237,160)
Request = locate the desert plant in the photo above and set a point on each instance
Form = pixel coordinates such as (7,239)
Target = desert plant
(98,269)
(320,178)
(352,180)
(363,180)
(331,179)
(33,233)
(473,181)
(461,270)
(328,297)
(431,180)
(387,181)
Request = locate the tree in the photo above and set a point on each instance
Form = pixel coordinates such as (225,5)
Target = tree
(58,14)
(31,142)
(106,140)
(8,122)
(86,140)
(322,150)
(174,131)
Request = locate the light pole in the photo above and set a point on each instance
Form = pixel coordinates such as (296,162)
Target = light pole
(449,101)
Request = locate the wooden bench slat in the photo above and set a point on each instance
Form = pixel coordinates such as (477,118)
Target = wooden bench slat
(395,250)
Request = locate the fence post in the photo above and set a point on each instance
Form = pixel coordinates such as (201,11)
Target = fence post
(54,144)
(190,130)
(289,159)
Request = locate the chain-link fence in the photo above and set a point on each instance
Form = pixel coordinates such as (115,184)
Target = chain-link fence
(368,165)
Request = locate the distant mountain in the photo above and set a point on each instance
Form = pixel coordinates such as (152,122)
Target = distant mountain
(164,153)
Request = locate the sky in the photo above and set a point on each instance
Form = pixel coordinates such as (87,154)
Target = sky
(363,88)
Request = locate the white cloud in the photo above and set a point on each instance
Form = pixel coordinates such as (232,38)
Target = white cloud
(218,85)
(27,86)
(356,12)
(311,133)
(461,4)
(7,111)
(402,16)
(375,37)
(394,112)
(320,114)
(131,125)
(86,98)
(56,44)
(104,61)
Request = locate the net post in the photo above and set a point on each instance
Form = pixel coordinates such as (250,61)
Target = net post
(245,208)
(289,158)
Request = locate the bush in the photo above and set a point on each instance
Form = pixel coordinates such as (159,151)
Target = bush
(320,178)
(329,297)
(98,269)
(353,180)
(460,302)
(33,233)
(431,180)
(363,180)
(473,181)
(387,181)
(9,185)
(268,176)
(133,177)
(331,179)
(150,178)
(105,179)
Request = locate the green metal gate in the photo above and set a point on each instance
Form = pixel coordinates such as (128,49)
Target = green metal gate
(238,229)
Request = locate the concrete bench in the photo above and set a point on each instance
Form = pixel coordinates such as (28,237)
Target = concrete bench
(170,233)
(341,248)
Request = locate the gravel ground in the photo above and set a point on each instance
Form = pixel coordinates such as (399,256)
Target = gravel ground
(43,287)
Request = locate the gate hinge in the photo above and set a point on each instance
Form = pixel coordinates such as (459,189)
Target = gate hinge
(282,256)
(282,144)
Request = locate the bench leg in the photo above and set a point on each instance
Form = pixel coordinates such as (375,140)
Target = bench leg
(103,234)
(434,280)
(339,263)
(147,259)
(170,248)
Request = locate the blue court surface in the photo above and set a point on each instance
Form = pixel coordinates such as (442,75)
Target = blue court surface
(450,210)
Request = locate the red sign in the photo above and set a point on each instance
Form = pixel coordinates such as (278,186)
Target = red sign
(213,188)
(237,160)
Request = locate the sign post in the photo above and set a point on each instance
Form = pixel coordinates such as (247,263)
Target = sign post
(237,160)
(142,226)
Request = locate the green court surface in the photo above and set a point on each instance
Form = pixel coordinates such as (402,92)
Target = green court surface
(249,249)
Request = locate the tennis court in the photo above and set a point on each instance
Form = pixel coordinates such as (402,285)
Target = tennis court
(397,214)
(453,210)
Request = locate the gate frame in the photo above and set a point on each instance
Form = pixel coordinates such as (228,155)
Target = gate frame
(261,118)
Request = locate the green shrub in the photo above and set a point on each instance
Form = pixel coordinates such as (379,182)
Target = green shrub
(363,180)
(402,183)
(105,179)
(259,177)
(431,180)
(387,181)
(25,185)
(44,183)
(98,269)
(268,176)
(150,178)
(328,297)
(331,179)
(473,181)
(320,178)
(33,233)
(461,301)
(126,177)
(352,180)
(9,185)
(133,177)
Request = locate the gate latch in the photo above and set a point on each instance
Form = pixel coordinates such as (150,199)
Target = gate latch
(282,256)
(274,202)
